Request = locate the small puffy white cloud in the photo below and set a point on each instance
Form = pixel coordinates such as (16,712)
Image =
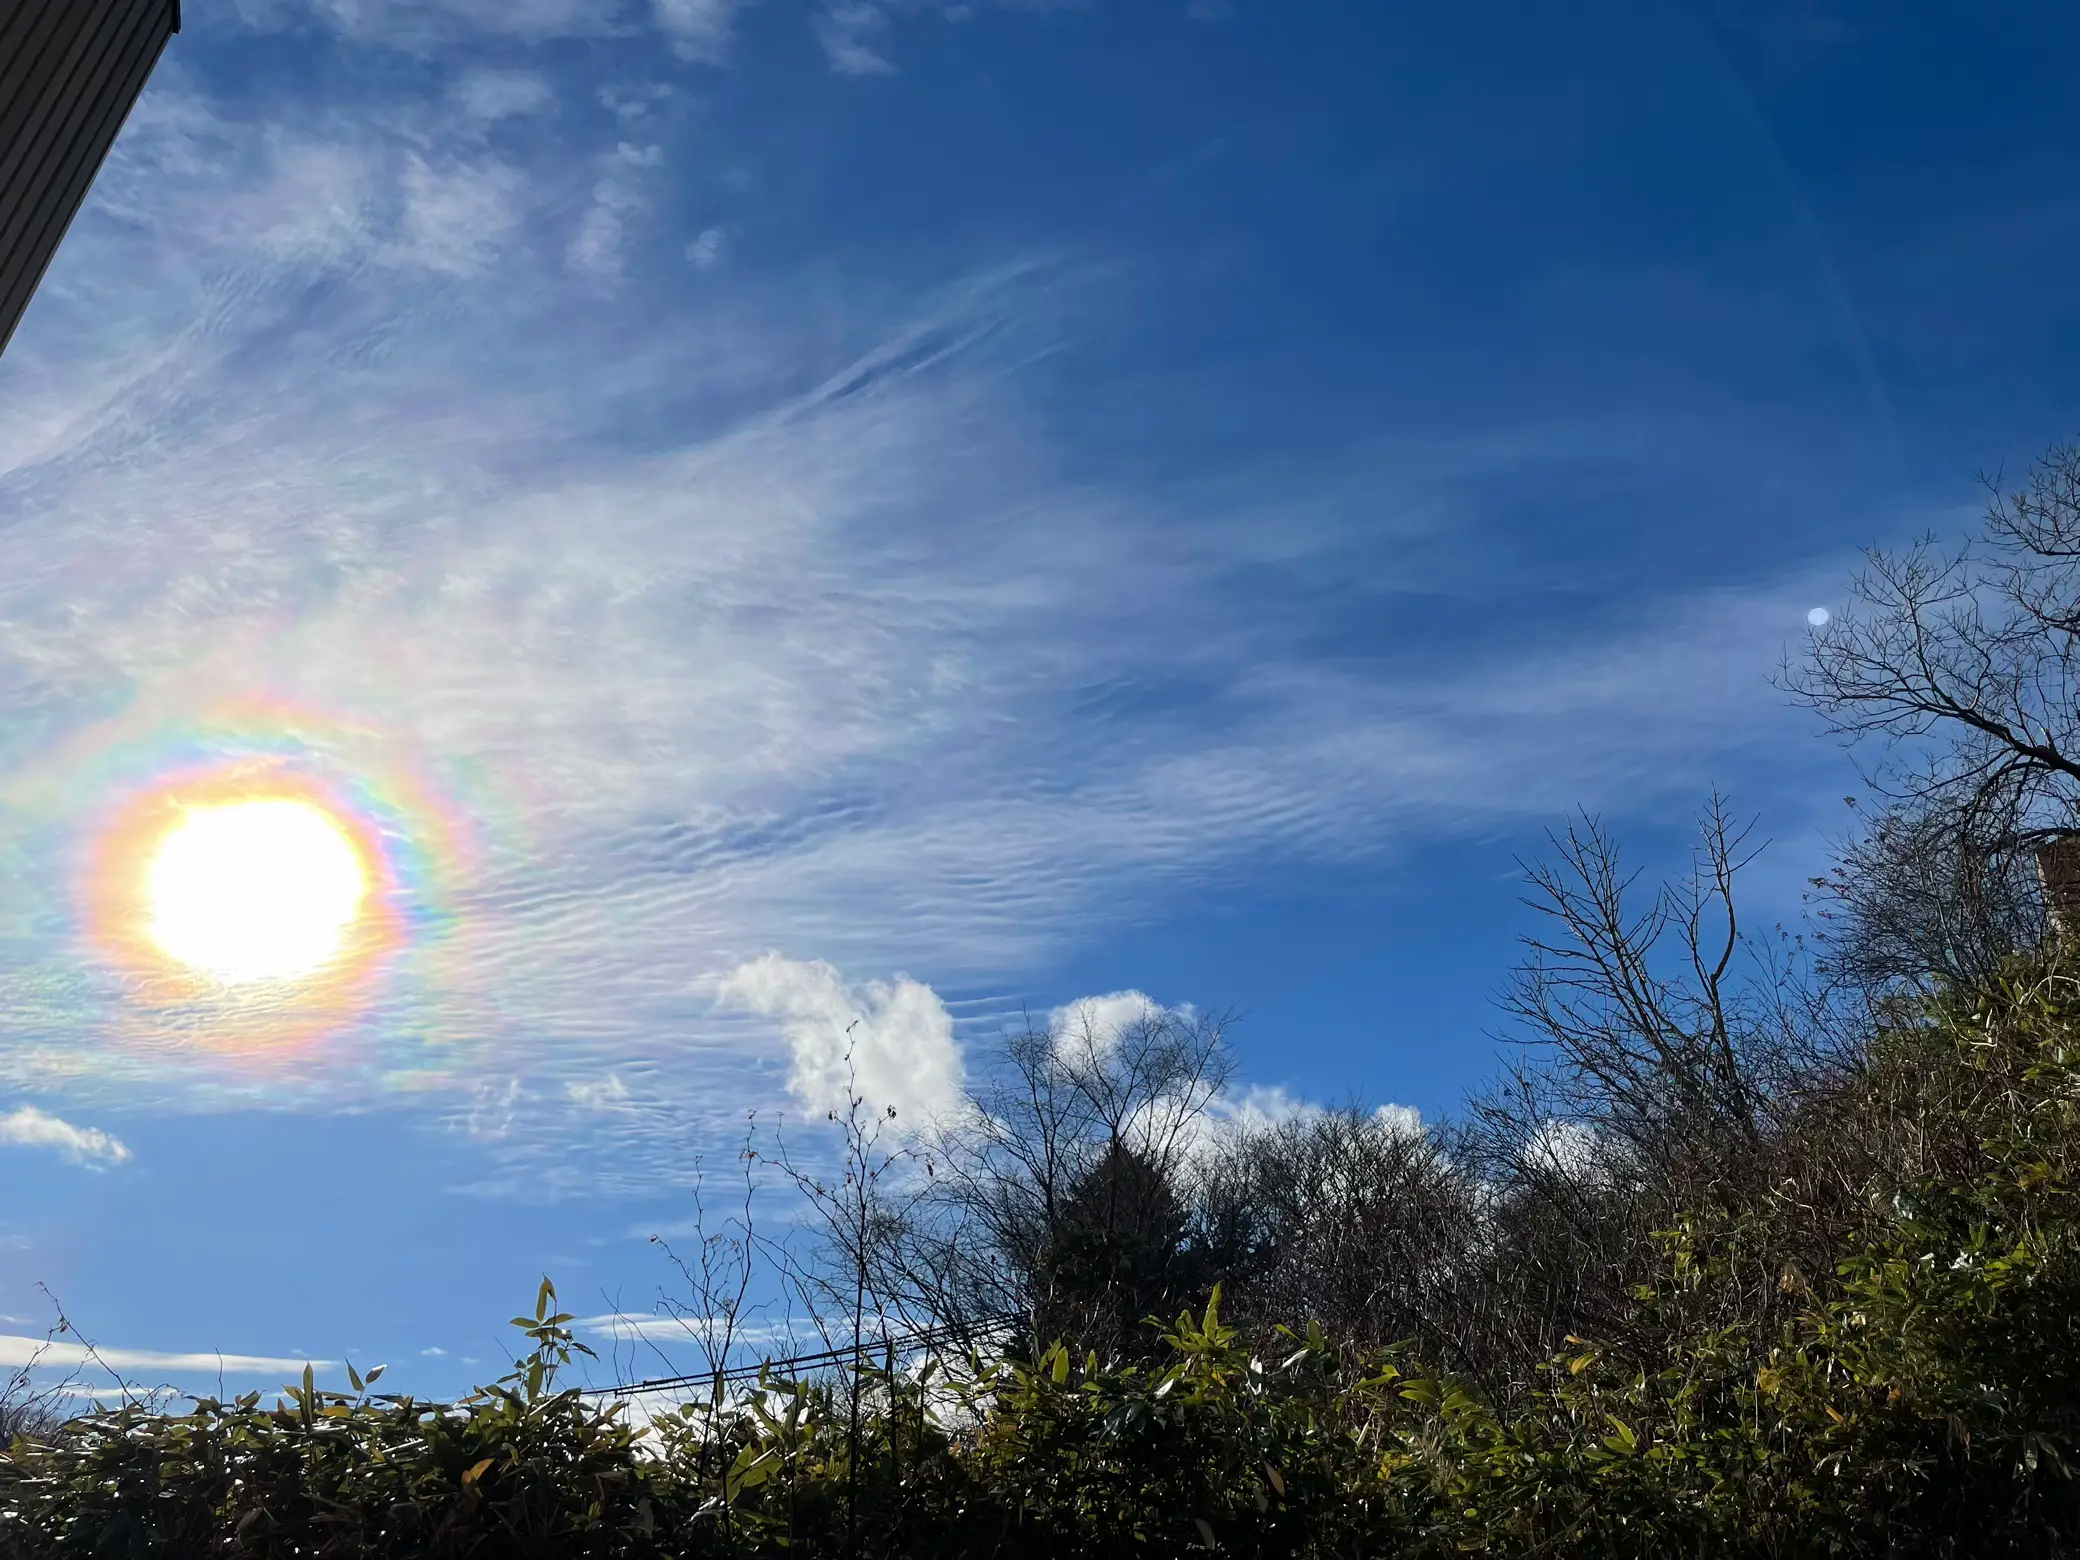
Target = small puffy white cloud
(698,29)
(1566,1147)
(631,103)
(893,1040)
(1258,1108)
(1097,1024)
(596,252)
(434,1353)
(857,35)
(610,1093)
(1261,1107)
(706,251)
(852,33)
(29,1127)
(487,96)
(1401,1120)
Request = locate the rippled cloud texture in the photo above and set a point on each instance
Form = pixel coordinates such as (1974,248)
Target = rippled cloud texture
(712,632)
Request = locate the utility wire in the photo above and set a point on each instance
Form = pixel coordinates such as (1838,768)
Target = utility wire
(886,1343)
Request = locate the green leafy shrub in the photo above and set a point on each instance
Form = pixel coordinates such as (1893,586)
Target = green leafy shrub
(1921,1398)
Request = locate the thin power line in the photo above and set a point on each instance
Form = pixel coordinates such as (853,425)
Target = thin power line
(899,1343)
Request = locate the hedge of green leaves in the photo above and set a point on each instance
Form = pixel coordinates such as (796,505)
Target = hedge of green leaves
(1924,1399)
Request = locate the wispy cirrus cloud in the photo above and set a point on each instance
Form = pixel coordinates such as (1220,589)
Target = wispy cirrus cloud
(18,1351)
(697,31)
(422,23)
(729,625)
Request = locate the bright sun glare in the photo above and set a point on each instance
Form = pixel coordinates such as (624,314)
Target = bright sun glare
(258,889)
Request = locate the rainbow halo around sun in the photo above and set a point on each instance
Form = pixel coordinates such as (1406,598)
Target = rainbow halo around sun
(255,889)
(264,880)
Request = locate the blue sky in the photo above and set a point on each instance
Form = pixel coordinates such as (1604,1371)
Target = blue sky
(791,511)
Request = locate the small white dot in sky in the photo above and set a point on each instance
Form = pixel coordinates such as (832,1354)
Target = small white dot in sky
(1817,617)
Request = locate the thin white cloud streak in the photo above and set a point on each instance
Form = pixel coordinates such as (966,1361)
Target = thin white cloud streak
(750,625)
(652,1327)
(857,36)
(419,24)
(18,1351)
(28,1127)
(697,31)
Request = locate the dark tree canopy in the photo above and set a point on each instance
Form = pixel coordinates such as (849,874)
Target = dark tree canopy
(1913,901)
(1118,1253)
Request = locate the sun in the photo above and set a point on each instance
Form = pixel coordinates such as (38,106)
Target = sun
(256,889)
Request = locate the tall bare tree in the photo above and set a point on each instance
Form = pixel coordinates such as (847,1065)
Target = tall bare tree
(1667,1044)
(1663,1026)
(1961,664)
(1069,1159)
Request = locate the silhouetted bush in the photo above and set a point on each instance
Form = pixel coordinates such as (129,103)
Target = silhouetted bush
(1910,1385)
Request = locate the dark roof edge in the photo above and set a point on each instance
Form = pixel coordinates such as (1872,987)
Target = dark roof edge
(176,15)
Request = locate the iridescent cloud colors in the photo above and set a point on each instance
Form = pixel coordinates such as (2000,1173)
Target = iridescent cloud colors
(310,779)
